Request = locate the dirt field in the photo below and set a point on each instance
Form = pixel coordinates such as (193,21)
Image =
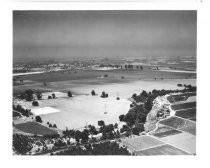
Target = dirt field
(35,128)
(162,150)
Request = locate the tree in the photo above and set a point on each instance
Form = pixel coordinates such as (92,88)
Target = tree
(84,135)
(92,130)
(77,135)
(53,96)
(135,131)
(35,103)
(54,126)
(101,123)
(122,117)
(39,95)
(149,103)
(49,97)
(21,143)
(69,94)
(29,95)
(179,85)
(103,95)
(124,128)
(134,96)
(144,93)
(130,118)
(93,93)
(38,119)
(115,125)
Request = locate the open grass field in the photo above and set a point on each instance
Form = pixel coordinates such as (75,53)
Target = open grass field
(188,114)
(146,73)
(163,131)
(142,142)
(92,77)
(180,124)
(35,128)
(183,141)
(183,106)
(162,150)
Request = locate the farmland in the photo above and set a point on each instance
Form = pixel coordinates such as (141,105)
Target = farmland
(188,114)
(163,131)
(180,97)
(183,106)
(142,142)
(180,124)
(35,128)
(182,141)
(162,150)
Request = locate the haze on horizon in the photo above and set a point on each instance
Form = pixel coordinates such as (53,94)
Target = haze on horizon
(66,35)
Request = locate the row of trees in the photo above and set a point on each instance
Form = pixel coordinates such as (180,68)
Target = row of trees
(105,148)
(130,66)
(51,125)
(20,109)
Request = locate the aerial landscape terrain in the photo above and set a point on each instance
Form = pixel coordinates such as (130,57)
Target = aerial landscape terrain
(100,104)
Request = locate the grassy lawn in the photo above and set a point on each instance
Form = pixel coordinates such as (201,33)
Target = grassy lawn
(93,74)
(35,128)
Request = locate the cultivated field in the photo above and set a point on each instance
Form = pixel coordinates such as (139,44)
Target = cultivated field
(35,128)
(142,142)
(188,114)
(164,131)
(162,150)
(183,106)
(184,141)
(180,97)
(180,124)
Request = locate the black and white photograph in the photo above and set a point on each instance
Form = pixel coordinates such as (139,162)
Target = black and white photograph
(104,82)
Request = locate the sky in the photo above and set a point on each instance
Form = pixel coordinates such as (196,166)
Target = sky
(67,35)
